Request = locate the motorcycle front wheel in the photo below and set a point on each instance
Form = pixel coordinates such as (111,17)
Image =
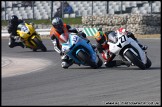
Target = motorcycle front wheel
(83,56)
(148,64)
(40,45)
(135,60)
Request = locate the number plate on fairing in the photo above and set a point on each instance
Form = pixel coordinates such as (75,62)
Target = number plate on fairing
(74,39)
(117,46)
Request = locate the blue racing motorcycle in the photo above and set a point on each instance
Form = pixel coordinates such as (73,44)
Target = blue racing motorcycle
(81,51)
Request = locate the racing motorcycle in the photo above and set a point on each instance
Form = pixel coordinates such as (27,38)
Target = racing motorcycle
(81,51)
(128,49)
(30,38)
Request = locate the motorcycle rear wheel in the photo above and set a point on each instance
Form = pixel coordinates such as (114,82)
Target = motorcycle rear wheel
(100,62)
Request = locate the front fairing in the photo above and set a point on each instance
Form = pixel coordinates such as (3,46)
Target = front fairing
(27,33)
(25,30)
(122,42)
(76,44)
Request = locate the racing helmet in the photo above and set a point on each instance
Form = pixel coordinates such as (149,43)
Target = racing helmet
(14,19)
(112,37)
(100,38)
(57,23)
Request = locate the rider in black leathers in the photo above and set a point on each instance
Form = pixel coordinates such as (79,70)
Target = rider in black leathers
(12,27)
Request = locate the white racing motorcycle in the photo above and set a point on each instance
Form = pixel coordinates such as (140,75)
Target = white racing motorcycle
(128,49)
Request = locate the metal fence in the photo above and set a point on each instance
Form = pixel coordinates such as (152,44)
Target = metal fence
(49,9)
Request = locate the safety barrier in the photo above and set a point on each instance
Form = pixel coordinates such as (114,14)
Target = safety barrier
(42,32)
(90,31)
(135,23)
(46,32)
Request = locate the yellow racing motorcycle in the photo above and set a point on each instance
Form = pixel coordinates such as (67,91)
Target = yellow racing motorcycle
(30,37)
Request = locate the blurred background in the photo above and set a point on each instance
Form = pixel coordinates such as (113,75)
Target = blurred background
(72,9)
(140,17)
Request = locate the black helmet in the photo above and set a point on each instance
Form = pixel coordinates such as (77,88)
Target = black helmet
(14,19)
(57,23)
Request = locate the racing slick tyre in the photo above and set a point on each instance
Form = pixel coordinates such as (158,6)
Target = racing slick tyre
(100,62)
(148,64)
(83,56)
(135,60)
(40,44)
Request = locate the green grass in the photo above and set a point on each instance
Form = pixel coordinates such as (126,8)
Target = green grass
(77,20)
(71,21)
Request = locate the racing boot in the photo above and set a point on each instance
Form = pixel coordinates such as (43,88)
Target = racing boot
(144,47)
(66,61)
(117,63)
(12,43)
(128,64)
(20,44)
(110,64)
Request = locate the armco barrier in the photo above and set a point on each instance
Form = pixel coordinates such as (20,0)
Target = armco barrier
(46,32)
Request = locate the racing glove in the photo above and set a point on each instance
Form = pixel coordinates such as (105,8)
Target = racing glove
(55,47)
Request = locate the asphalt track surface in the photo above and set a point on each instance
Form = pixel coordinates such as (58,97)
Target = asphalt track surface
(81,85)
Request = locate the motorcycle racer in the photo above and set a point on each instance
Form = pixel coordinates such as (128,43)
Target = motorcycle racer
(58,27)
(103,47)
(12,27)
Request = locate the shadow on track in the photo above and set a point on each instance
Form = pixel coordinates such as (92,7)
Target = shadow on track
(115,68)
(36,51)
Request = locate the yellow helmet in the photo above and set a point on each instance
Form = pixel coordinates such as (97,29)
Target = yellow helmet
(99,36)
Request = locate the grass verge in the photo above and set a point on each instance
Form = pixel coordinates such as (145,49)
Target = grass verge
(71,21)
